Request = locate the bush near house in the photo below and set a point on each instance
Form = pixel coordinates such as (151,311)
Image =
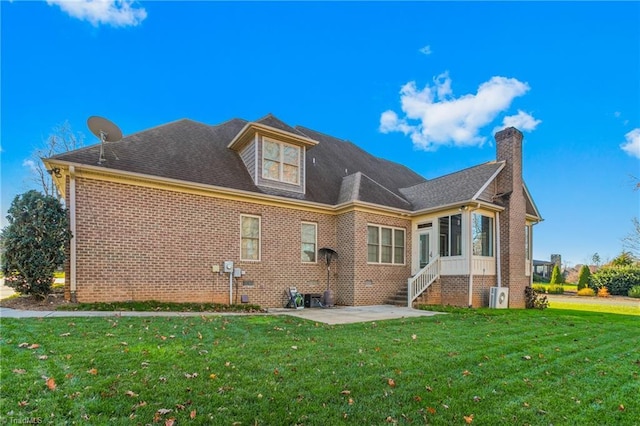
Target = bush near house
(541,289)
(555,289)
(584,277)
(634,292)
(618,280)
(586,292)
(33,243)
(556,276)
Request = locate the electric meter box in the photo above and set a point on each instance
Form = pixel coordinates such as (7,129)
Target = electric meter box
(227,266)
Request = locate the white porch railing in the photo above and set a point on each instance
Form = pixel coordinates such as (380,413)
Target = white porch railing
(423,279)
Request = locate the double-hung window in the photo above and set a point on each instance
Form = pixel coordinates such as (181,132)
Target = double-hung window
(309,233)
(249,237)
(385,245)
(281,162)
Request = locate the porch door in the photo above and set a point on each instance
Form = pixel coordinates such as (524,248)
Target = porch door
(424,248)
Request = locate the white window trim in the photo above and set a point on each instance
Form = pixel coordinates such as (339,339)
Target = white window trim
(315,242)
(259,238)
(281,162)
(493,235)
(393,246)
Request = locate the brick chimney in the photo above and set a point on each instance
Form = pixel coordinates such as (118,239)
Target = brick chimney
(513,218)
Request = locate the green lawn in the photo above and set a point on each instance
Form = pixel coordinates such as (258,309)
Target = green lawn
(491,366)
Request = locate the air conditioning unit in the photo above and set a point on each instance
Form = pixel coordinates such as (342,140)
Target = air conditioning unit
(499,297)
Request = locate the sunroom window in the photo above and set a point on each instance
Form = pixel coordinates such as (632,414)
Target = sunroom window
(280,161)
(482,235)
(451,235)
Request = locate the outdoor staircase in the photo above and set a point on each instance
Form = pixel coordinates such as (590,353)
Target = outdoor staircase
(416,285)
(398,299)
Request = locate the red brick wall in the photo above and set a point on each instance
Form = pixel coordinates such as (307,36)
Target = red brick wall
(374,283)
(138,243)
(454,290)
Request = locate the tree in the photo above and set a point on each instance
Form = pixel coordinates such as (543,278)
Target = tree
(62,139)
(624,259)
(596,259)
(631,243)
(556,276)
(34,242)
(584,277)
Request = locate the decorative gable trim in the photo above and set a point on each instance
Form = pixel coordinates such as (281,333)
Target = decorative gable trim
(248,132)
(488,182)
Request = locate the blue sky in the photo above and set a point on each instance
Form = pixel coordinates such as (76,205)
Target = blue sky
(423,84)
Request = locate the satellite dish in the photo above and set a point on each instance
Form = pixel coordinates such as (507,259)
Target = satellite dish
(105,130)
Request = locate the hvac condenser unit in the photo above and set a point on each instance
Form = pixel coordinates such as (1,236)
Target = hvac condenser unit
(499,297)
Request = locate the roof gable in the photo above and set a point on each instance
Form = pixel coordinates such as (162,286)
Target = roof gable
(465,185)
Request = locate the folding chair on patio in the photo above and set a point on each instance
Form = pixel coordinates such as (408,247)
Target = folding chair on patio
(296,300)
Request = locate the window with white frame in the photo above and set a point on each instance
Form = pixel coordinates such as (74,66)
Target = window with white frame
(482,235)
(249,237)
(450,235)
(280,161)
(385,244)
(309,232)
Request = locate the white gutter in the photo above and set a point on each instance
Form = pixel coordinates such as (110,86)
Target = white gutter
(72,226)
(498,260)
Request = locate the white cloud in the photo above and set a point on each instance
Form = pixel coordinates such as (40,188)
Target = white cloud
(30,164)
(521,121)
(117,13)
(632,145)
(426,50)
(434,117)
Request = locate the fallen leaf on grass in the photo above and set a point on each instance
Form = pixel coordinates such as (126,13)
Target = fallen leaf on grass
(414,337)
(169,422)
(43,357)
(19,371)
(132,394)
(391,382)
(212,376)
(34,346)
(621,407)
(477,399)
(192,415)
(526,357)
(350,402)
(417,398)
(23,403)
(468,419)
(428,388)
(431,410)
(466,373)
(346,392)
(93,371)
(65,335)
(51,383)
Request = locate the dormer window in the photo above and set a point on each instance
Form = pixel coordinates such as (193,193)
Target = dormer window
(280,161)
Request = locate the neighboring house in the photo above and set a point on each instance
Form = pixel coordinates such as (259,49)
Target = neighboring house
(543,268)
(168,206)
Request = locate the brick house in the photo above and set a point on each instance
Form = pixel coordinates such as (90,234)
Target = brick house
(166,207)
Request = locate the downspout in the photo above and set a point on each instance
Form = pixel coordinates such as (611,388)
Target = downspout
(72,228)
(471,210)
(498,264)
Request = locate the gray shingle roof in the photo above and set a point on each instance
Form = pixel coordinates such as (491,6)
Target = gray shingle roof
(454,188)
(337,171)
